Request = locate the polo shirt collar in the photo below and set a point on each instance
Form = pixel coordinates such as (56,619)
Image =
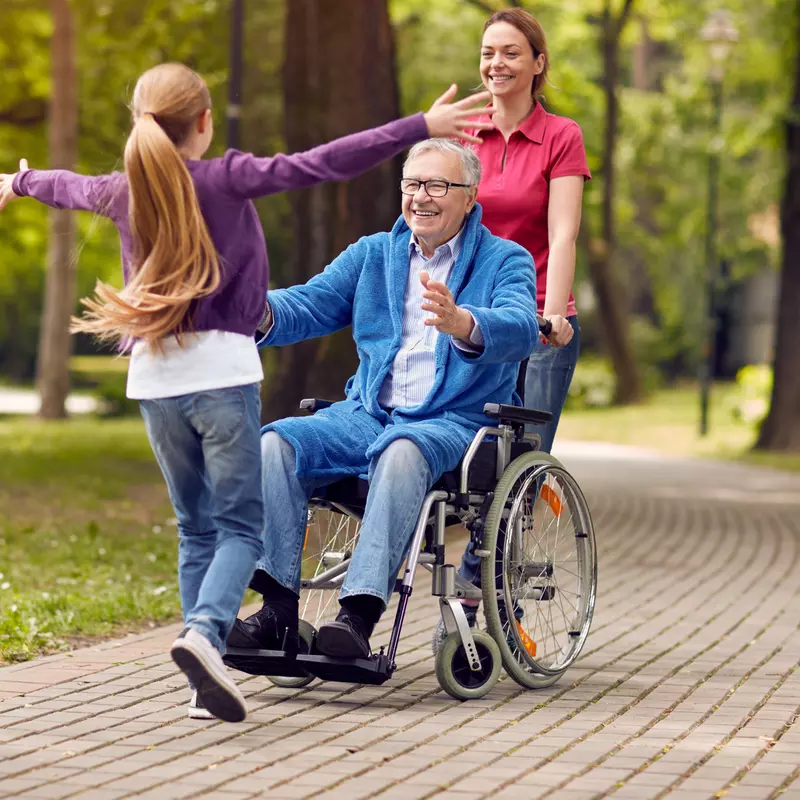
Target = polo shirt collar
(532,128)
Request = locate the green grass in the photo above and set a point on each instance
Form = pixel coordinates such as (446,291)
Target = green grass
(87,540)
(98,365)
(668,422)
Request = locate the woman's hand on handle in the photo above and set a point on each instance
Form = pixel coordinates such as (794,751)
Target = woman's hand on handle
(561,331)
(450,120)
(7,193)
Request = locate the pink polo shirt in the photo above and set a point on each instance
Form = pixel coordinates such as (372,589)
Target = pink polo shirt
(515,198)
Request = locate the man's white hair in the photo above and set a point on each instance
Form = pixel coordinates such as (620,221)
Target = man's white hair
(470,163)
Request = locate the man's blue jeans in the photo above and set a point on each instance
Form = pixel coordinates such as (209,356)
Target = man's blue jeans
(399,480)
(547,380)
(206,444)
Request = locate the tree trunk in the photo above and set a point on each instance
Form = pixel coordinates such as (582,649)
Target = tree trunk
(781,429)
(59,300)
(611,298)
(339,77)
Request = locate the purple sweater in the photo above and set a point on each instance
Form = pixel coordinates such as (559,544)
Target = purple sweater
(225,188)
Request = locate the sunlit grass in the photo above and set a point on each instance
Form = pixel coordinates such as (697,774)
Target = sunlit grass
(669,422)
(87,540)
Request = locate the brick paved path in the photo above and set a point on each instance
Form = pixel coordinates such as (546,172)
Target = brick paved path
(688,685)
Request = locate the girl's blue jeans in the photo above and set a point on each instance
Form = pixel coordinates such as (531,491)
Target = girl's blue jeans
(547,380)
(207,445)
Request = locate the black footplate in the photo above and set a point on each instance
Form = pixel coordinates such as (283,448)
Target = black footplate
(374,670)
(264,662)
(516,414)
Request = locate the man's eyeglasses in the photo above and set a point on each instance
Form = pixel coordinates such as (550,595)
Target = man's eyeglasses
(433,188)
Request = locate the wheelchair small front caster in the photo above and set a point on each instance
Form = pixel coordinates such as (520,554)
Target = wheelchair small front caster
(453,670)
(306,631)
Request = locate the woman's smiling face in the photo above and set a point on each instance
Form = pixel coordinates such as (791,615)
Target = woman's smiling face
(508,63)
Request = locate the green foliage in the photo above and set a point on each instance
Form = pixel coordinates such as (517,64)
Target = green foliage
(106,377)
(592,384)
(664,133)
(664,138)
(116,42)
(750,404)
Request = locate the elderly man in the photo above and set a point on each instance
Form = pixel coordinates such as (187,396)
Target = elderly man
(441,312)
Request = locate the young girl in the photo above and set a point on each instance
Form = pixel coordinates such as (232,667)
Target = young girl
(195,268)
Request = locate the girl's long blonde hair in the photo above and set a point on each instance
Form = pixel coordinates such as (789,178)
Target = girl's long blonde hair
(174,259)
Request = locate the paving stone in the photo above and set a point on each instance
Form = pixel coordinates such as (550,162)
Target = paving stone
(659,697)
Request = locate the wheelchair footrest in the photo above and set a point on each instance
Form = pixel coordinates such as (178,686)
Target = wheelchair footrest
(374,670)
(264,662)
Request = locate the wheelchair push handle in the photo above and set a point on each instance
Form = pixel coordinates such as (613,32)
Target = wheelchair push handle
(545,326)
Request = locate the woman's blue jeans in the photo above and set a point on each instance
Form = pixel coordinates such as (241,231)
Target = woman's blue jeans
(207,445)
(547,380)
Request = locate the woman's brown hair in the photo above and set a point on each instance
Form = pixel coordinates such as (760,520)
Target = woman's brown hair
(532,30)
(174,259)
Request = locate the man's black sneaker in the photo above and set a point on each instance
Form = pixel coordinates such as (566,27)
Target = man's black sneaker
(264,630)
(346,637)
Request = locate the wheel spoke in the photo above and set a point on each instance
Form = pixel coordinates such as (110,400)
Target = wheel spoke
(546,569)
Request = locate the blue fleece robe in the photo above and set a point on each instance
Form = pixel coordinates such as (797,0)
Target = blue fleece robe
(365,287)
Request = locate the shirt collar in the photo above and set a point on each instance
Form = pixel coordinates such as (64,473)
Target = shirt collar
(532,128)
(453,245)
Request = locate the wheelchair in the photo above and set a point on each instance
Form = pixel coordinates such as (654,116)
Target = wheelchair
(530,525)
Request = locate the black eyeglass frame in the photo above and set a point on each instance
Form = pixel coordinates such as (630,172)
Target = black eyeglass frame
(424,184)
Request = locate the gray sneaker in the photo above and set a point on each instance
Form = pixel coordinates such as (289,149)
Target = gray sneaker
(470,612)
(202,664)
(197,710)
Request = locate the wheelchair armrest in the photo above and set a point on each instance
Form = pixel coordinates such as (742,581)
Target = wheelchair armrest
(312,404)
(516,414)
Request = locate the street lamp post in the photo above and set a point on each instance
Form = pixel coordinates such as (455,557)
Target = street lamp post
(721,34)
(234,109)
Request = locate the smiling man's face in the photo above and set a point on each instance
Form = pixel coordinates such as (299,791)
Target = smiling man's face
(436,220)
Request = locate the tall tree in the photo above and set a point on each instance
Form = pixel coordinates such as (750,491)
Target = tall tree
(339,77)
(59,302)
(781,429)
(600,251)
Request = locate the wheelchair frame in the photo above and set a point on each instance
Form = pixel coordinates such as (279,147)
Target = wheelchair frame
(439,505)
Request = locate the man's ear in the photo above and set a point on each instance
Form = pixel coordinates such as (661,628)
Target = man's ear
(473,194)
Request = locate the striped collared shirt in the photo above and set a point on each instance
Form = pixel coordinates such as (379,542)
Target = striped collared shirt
(414,366)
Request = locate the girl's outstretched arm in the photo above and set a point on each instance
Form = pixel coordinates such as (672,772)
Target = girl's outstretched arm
(57,188)
(7,193)
(248,176)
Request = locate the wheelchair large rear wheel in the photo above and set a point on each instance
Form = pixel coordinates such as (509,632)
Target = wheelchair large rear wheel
(331,538)
(306,633)
(539,587)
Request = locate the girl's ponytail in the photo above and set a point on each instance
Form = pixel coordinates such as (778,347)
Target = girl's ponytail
(174,259)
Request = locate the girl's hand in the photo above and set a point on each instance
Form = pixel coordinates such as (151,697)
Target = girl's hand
(450,120)
(7,193)
(562,331)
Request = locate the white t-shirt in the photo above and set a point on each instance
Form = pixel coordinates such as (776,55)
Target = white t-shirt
(208,360)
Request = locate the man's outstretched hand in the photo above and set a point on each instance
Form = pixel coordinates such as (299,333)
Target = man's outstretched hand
(7,193)
(449,317)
